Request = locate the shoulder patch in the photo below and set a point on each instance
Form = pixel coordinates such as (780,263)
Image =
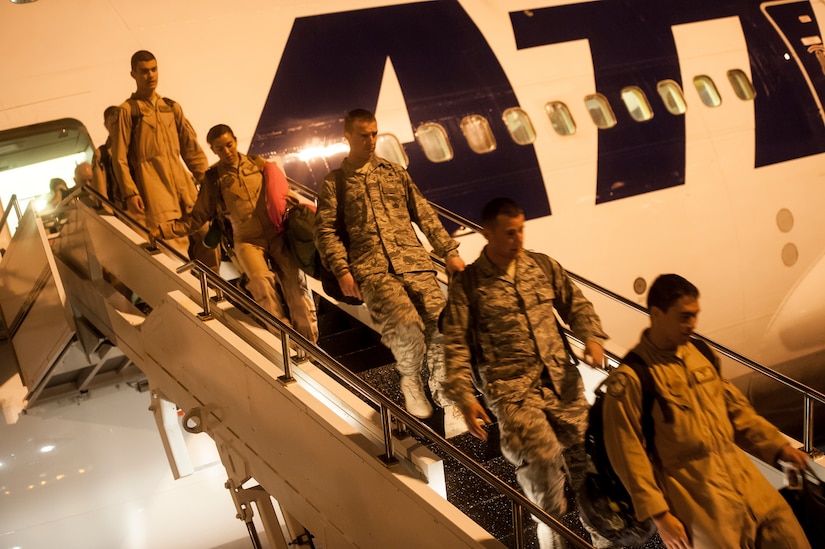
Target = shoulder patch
(617,384)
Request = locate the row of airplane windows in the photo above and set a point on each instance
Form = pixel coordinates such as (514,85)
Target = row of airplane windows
(436,145)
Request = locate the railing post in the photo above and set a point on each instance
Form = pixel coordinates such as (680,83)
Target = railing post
(218,297)
(207,311)
(389,454)
(16,204)
(287,377)
(808,433)
(518,525)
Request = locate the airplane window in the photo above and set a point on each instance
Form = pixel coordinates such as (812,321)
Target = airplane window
(600,111)
(741,85)
(433,139)
(478,134)
(560,118)
(637,105)
(707,91)
(672,97)
(387,146)
(519,125)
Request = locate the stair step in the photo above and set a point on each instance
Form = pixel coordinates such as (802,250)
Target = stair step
(359,348)
(365,359)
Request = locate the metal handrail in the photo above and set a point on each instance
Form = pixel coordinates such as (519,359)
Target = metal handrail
(389,408)
(809,394)
(210,279)
(386,405)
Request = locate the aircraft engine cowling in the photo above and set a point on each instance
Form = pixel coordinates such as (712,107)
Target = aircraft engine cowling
(796,327)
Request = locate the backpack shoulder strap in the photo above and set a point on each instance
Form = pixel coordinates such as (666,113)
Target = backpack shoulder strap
(705,349)
(547,266)
(134,109)
(211,175)
(649,394)
(340,196)
(339,188)
(468,278)
(469,283)
(257,160)
(175,110)
(544,263)
(211,178)
(640,368)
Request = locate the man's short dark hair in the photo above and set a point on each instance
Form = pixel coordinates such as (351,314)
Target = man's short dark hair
(355,115)
(56,182)
(218,130)
(496,207)
(111,110)
(667,289)
(141,56)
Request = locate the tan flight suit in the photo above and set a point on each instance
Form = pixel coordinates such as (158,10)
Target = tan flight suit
(525,377)
(256,238)
(393,270)
(146,159)
(701,475)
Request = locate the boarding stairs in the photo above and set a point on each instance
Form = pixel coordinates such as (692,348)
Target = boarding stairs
(313,426)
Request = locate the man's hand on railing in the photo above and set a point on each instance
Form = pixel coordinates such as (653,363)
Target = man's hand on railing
(348,286)
(134,205)
(594,354)
(454,265)
(154,236)
(476,418)
(794,456)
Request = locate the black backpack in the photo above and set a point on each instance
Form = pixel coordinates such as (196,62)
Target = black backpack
(604,503)
(299,229)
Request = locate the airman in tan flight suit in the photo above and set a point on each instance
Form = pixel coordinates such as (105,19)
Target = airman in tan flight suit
(701,489)
(235,187)
(152,137)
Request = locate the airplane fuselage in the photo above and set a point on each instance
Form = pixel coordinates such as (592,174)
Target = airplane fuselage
(726,194)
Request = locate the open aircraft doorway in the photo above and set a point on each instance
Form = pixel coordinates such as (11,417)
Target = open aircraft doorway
(30,157)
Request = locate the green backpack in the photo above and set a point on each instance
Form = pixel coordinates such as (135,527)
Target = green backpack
(299,229)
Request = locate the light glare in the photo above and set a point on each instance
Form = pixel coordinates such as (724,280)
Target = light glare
(311,153)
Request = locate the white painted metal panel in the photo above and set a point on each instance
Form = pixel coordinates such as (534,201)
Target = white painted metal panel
(33,302)
(304,454)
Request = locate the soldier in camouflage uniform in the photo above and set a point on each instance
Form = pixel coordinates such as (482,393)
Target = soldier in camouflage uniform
(525,375)
(385,263)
